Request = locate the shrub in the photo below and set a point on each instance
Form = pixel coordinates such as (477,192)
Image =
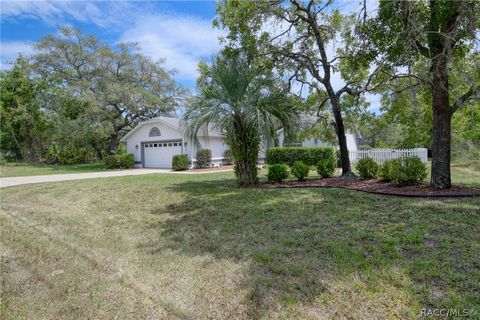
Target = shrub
(227,157)
(367,168)
(326,166)
(112,161)
(288,155)
(127,160)
(405,171)
(412,171)
(389,168)
(115,161)
(300,170)
(204,158)
(180,162)
(277,172)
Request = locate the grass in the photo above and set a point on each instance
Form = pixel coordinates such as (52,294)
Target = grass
(16,169)
(195,246)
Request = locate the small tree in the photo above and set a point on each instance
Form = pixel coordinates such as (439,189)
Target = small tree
(243,101)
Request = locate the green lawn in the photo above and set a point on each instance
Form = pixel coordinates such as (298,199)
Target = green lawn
(196,247)
(22,169)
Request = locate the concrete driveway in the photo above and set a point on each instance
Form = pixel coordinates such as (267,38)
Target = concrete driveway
(15,181)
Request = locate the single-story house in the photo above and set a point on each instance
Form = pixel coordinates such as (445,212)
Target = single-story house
(154,142)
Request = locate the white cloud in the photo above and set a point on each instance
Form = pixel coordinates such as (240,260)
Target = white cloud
(101,13)
(182,40)
(9,51)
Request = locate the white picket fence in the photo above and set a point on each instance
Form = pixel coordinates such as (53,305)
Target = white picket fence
(381,155)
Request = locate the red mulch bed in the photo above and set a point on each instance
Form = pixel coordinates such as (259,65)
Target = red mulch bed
(378,187)
(224,167)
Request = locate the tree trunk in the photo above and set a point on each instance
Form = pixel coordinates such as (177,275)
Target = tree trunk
(113,144)
(340,131)
(442,119)
(244,145)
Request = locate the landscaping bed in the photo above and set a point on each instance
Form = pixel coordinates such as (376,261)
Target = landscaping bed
(378,187)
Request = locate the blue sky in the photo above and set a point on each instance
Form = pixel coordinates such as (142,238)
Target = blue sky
(180,32)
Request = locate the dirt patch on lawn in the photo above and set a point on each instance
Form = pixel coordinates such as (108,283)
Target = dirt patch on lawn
(378,187)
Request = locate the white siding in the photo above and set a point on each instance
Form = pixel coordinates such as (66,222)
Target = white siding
(167,133)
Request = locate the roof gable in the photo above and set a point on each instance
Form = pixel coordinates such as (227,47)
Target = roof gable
(175,124)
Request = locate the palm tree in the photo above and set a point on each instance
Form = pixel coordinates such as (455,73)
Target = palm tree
(246,103)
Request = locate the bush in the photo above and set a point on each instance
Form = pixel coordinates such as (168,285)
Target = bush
(405,171)
(300,170)
(112,161)
(115,161)
(412,171)
(127,160)
(204,158)
(288,155)
(326,166)
(227,157)
(367,168)
(277,172)
(180,162)
(388,169)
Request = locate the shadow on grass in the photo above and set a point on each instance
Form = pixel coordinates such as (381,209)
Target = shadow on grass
(301,243)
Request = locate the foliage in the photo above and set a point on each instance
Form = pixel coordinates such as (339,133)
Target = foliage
(404,171)
(116,161)
(298,50)
(412,171)
(24,127)
(309,155)
(441,35)
(277,172)
(244,101)
(326,166)
(127,160)
(388,169)
(367,168)
(228,157)
(203,158)
(119,85)
(300,170)
(180,162)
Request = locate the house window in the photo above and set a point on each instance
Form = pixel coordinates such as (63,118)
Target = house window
(185,144)
(174,144)
(155,145)
(164,144)
(170,144)
(154,132)
(146,146)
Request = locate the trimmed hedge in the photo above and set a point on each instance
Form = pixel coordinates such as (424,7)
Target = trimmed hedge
(180,162)
(204,158)
(300,170)
(117,161)
(277,172)
(309,156)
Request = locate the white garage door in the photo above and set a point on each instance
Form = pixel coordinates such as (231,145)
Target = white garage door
(159,154)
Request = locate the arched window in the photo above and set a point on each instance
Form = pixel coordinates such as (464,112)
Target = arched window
(154,132)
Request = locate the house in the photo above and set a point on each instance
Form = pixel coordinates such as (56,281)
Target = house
(351,141)
(154,142)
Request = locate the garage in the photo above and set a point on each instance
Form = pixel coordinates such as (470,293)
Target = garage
(158,154)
